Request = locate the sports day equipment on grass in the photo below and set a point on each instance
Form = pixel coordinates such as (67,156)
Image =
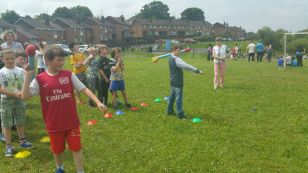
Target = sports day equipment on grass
(22,154)
(119,112)
(156,58)
(108,115)
(45,139)
(91,122)
(196,120)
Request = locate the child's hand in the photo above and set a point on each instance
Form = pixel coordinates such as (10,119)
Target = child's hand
(102,107)
(27,70)
(18,95)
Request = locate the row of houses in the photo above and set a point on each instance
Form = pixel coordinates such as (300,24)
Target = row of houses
(112,30)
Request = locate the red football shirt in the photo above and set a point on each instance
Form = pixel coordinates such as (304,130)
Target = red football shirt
(58,101)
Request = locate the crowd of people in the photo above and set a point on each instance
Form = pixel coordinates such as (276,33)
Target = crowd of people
(57,89)
(93,74)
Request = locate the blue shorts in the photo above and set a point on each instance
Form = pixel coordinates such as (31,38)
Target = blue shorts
(117,85)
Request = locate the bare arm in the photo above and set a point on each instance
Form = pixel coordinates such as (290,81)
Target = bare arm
(100,105)
(25,94)
(87,61)
(10,94)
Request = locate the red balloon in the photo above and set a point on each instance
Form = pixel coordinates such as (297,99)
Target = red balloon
(30,50)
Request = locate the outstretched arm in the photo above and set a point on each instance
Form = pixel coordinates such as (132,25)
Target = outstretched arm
(99,104)
(182,64)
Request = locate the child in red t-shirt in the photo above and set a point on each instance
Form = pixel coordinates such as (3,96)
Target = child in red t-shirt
(56,89)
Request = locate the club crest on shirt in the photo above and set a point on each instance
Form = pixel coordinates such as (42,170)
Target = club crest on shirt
(63,80)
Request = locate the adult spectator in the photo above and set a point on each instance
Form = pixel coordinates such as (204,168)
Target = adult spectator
(9,37)
(251,51)
(260,51)
(299,55)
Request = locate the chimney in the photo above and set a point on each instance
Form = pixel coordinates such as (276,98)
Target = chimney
(47,21)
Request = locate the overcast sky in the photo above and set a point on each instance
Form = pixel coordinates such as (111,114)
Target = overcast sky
(291,15)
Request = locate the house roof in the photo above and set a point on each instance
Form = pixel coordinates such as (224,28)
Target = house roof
(71,23)
(37,24)
(26,33)
(4,23)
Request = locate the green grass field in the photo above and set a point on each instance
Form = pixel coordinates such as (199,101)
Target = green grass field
(257,124)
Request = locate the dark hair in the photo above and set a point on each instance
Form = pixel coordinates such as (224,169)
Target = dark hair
(101,47)
(52,52)
(175,47)
(71,46)
(21,53)
(218,39)
(114,50)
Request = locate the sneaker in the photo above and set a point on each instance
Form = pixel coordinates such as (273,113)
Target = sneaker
(183,118)
(128,105)
(26,145)
(115,107)
(9,151)
(59,170)
(2,137)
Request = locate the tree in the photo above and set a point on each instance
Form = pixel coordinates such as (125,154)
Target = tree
(62,12)
(154,10)
(195,14)
(80,12)
(43,16)
(10,16)
(266,35)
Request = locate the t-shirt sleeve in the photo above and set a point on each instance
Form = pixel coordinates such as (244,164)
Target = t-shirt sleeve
(78,85)
(34,87)
(72,59)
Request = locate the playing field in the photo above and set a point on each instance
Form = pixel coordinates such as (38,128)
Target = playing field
(257,124)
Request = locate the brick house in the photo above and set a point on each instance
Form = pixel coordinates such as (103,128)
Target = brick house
(121,27)
(172,28)
(103,31)
(44,30)
(75,31)
(226,31)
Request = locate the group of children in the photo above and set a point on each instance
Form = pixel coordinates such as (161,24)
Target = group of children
(56,87)
(100,73)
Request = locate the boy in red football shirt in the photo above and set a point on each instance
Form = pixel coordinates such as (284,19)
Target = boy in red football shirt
(56,89)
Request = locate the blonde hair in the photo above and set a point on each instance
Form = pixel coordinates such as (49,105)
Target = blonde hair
(7,51)
(6,33)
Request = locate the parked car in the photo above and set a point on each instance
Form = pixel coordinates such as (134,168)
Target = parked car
(65,48)
(83,47)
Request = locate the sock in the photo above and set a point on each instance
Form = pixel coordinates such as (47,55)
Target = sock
(61,167)
(23,140)
(8,146)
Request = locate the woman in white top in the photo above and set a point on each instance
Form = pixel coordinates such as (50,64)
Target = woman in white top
(219,55)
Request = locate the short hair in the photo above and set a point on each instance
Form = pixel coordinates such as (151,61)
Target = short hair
(6,33)
(21,53)
(218,39)
(175,47)
(52,52)
(102,46)
(7,51)
(71,46)
(114,51)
